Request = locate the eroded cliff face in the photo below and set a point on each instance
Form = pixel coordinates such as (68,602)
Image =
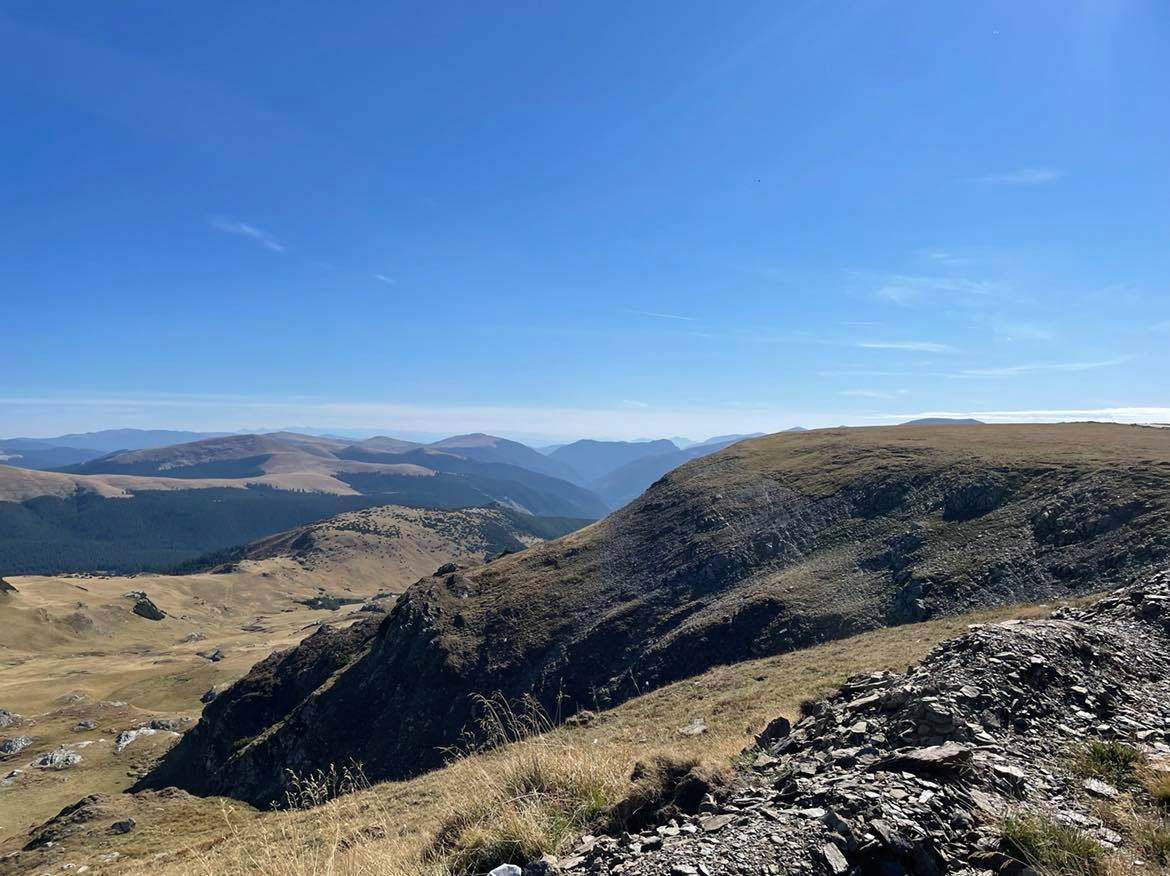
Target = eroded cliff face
(772,545)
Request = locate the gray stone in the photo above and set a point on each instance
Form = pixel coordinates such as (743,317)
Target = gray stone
(15,744)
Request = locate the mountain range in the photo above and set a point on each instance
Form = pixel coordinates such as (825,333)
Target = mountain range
(767,546)
(156,506)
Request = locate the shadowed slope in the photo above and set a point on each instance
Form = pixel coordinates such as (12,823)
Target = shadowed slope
(770,545)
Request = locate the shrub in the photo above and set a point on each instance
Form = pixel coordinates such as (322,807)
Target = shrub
(1052,847)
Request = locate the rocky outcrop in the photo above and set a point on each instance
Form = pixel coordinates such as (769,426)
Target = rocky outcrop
(143,607)
(914,773)
(14,744)
(771,545)
(256,704)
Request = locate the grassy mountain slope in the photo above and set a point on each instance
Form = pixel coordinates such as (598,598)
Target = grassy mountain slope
(397,822)
(390,542)
(768,546)
(65,635)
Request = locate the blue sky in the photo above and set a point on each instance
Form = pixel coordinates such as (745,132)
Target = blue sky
(607,219)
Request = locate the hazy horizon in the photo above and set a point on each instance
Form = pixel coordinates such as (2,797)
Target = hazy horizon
(737,422)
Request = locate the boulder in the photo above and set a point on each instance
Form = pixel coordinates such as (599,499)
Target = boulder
(58,760)
(947,758)
(15,744)
(143,607)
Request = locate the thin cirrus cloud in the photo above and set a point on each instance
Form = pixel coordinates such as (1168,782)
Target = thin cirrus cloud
(1025,176)
(657,315)
(1040,368)
(243,229)
(874,393)
(382,278)
(905,289)
(908,346)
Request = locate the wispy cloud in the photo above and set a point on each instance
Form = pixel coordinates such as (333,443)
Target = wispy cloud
(905,289)
(1041,368)
(874,393)
(656,315)
(382,278)
(243,229)
(1025,176)
(1023,331)
(633,403)
(944,258)
(911,346)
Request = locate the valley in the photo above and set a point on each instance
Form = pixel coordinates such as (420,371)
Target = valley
(768,571)
(72,650)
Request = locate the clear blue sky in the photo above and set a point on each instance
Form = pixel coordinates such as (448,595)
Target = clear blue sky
(605,218)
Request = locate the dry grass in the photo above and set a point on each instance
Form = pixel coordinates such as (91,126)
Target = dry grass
(1053,848)
(541,788)
(1157,785)
(118,669)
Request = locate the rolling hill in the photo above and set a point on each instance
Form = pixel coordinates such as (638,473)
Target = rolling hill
(31,453)
(156,507)
(389,546)
(768,546)
(79,636)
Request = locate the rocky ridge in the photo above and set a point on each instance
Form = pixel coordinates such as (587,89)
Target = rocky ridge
(914,773)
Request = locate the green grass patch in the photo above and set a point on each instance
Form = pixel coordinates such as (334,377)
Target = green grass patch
(1052,848)
(1113,762)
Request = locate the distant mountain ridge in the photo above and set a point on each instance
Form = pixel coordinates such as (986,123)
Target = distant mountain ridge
(591,460)
(156,507)
(943,421)
(627,482)
(109,440)
(464,471)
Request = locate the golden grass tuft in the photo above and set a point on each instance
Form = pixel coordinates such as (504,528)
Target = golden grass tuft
(1158,787)
(1053,848)
(533,797)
